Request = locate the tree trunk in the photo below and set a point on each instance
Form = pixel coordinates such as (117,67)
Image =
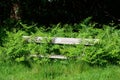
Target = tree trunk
(15,11)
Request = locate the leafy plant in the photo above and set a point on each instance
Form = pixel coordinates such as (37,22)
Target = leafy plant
(106,51)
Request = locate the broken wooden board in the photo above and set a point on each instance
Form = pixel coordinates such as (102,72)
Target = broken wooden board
(60,40)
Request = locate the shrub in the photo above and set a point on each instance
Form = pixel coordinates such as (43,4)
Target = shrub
(107,51)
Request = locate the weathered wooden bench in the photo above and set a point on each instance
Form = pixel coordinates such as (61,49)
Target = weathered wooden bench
(59,40)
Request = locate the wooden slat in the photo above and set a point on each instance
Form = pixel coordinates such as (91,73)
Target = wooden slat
(50,56)
(60,40)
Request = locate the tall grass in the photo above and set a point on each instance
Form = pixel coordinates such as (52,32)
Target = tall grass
(58,71)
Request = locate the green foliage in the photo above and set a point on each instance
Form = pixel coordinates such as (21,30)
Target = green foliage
(2,35)
(107,51)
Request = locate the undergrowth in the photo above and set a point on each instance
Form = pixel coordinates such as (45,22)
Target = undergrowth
(106,51)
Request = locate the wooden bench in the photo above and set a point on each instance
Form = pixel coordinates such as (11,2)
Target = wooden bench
(59,40)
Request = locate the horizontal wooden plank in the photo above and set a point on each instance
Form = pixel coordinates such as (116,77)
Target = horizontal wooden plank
(60,40)
(50,56)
